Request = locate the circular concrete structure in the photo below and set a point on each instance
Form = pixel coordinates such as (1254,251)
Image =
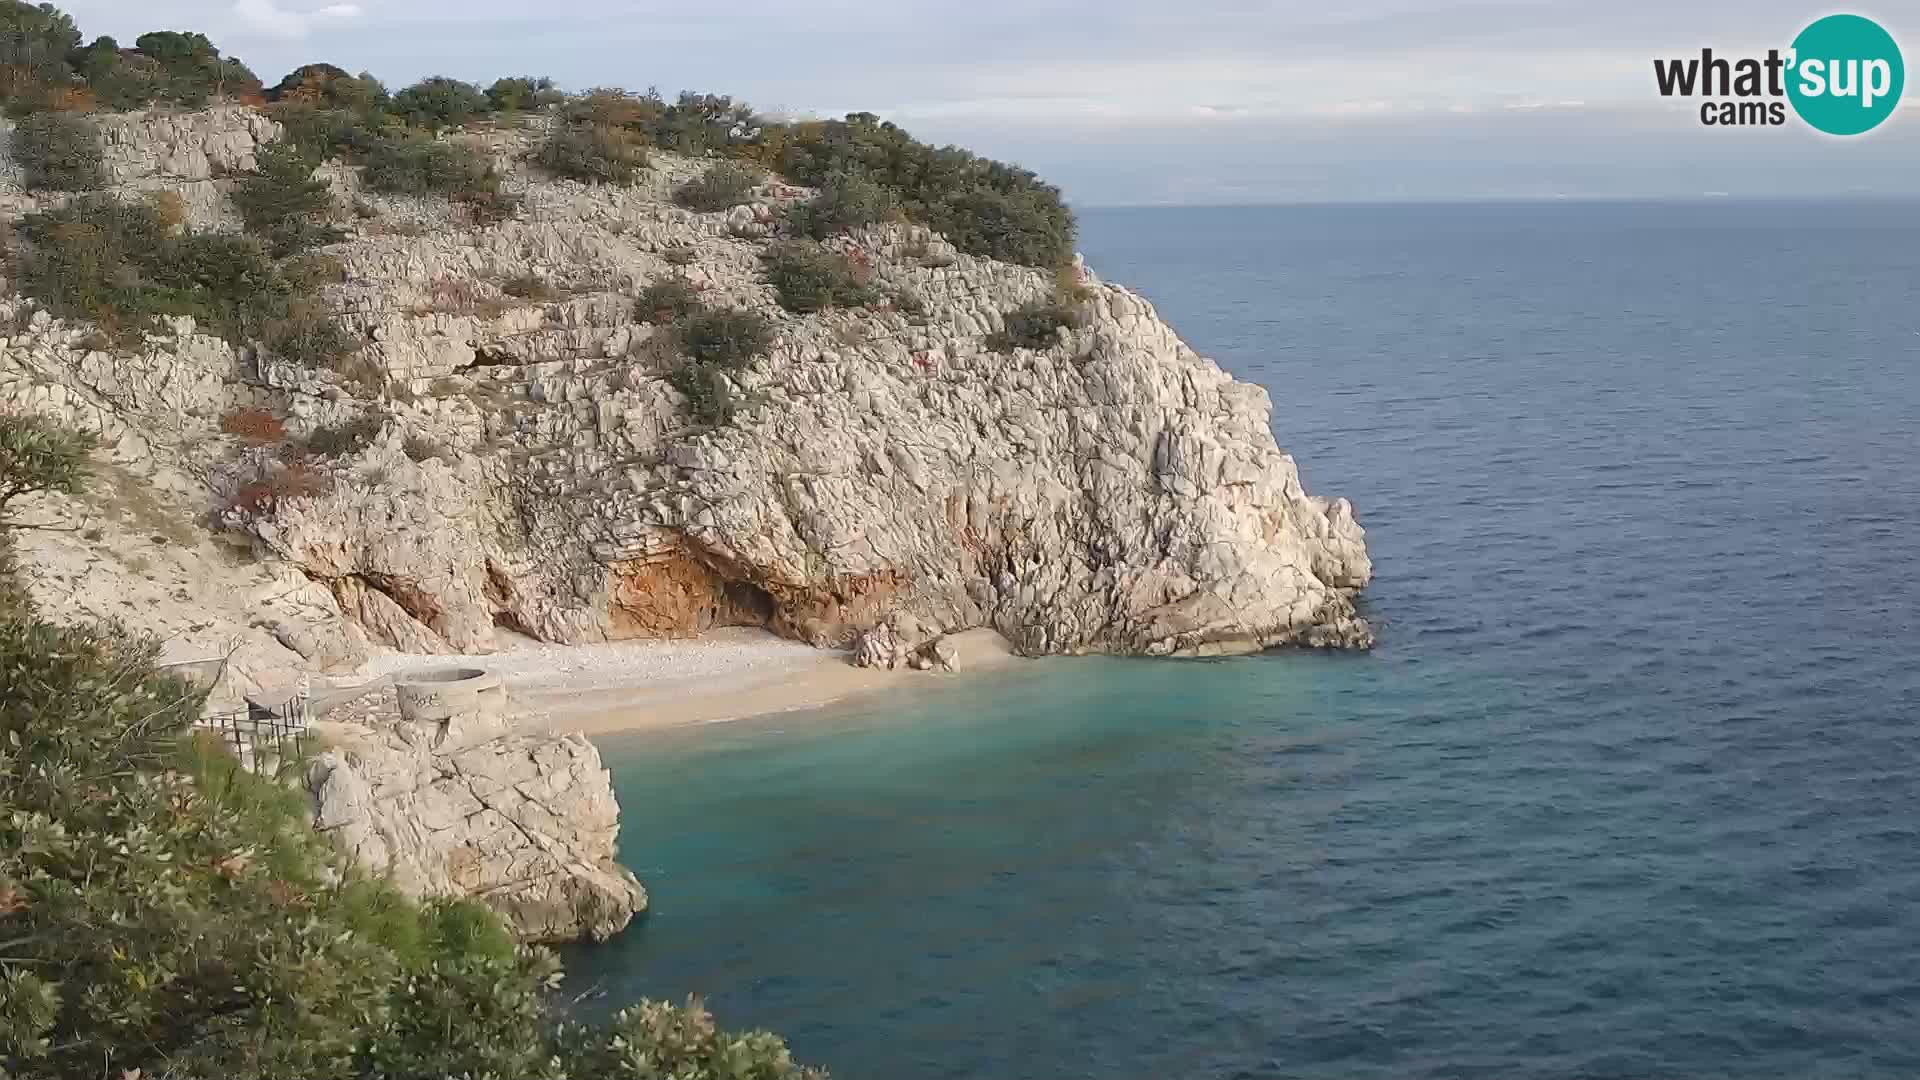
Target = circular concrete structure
(439,696)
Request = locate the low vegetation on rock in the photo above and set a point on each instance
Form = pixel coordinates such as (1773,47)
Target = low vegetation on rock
(984,207)
(307,335)
(438,103)
(43,66)
(516,93)
(168,913)
(1034,325)
(809,278)
(709,344)
(421,166)
(844,203)
(868,166)
(344,438)
(58,151)
(122,265)
(728,337)
(283,204)
(591,153)
(666,300)
(722,187)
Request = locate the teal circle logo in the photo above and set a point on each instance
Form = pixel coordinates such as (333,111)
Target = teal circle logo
(1846,75)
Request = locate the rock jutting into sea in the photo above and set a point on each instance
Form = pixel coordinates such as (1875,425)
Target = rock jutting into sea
(505,449)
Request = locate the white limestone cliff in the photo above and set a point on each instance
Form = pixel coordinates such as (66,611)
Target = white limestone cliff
(524,823)
(887,480)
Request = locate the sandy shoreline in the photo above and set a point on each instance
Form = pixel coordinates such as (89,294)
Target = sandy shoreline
(727,675)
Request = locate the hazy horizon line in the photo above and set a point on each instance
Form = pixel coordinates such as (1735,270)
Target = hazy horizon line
(1492,200)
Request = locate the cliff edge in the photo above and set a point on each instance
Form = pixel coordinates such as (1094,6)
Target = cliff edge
(504,439)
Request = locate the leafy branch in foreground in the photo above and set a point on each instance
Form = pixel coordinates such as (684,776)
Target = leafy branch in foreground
(168,914)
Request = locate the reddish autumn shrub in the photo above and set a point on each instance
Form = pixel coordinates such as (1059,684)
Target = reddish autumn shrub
(255,425)
(296,480)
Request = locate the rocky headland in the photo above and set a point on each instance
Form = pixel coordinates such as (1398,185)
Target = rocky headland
(508,454)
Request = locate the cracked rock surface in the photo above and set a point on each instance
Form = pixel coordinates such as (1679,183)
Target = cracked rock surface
(523,823)
(887,479)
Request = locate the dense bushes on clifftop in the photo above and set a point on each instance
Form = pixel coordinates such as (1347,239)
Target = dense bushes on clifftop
(121,264)
(165,913)
(60,151)
(866,166)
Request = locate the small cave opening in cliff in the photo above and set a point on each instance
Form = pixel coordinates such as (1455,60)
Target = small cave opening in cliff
(677,594)
(508,621)
(489,356)
(750,604)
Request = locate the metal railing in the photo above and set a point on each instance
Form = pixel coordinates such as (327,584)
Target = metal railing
(260,735)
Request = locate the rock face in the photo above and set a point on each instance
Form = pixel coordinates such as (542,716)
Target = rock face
(462,807)
(887,480)
(1113,492)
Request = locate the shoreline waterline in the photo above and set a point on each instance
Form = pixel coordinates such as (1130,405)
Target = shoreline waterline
(729,674)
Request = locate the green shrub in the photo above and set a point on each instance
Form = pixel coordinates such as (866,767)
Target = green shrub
(722,187)
(439,102)
(58,151)
(809,278)
(906,302)
(525,92)
(281,201)
(169,913)
(118,80)
(307,335)
(73,259)
(844,203)
(418,166)
(322,133)
(728,337)
(35,41)
(346,437)
(665,301)
(1028,225)
(121,265)
(227,282)
(984,207)
(594,153)
(709,395)
(654,1039)
(1033,325)
(710,342)
(697,123)
(38,456)
(324,86)
(192,71)
(613,108)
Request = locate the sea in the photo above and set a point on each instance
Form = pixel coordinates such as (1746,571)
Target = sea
(1629,788)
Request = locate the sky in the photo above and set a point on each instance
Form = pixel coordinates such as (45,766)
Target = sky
(1125,102)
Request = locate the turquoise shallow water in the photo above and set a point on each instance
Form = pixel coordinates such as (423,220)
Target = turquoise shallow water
(1628,790)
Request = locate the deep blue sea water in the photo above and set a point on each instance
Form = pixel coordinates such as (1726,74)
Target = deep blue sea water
(1631,787)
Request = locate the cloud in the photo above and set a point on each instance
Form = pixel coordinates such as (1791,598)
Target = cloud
(265,17)
(1205,100)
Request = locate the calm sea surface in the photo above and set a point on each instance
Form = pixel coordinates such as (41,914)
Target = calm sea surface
(1631,787)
